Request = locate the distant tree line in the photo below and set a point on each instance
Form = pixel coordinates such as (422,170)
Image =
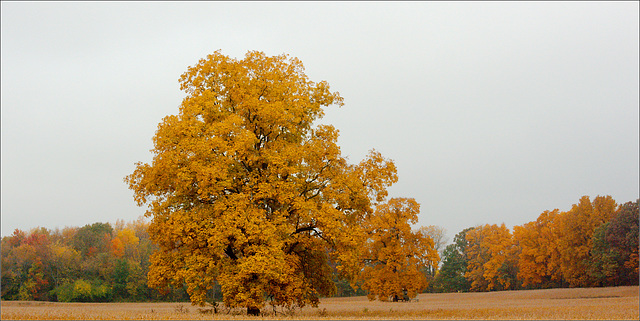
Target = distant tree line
(98,262)
(94,263)
(594,244)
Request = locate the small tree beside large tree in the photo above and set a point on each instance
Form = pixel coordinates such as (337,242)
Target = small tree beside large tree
(396,254)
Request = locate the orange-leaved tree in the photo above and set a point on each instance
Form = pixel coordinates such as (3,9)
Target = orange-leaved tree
(493,258)
(575,232)
(539,259)
(396,255)
(244,190)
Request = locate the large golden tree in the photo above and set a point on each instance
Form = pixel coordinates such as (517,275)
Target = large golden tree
(246,191)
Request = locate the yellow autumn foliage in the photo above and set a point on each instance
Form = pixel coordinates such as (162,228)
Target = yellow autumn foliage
(539,258)
(396,255)
(245,191)
(575,232)
(492,257)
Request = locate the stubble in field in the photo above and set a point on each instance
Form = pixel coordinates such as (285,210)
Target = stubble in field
(620,303)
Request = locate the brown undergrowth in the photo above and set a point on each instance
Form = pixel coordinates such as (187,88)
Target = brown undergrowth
(619,303)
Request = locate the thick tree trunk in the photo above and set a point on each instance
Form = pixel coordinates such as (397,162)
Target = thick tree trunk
(253,311)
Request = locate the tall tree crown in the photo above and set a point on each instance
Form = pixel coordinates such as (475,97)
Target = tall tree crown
(245,191)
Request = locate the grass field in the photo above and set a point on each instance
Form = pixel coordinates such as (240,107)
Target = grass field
(614,303)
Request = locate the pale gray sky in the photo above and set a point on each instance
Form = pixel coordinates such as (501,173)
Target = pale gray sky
(492,111)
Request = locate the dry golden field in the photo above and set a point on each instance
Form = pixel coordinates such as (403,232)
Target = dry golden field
(614,303)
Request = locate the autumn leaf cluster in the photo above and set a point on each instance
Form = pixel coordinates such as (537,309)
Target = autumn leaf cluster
(245,191)
(98,262)
(595,243)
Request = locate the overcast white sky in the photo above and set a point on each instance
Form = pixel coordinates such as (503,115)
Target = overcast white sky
(493,112)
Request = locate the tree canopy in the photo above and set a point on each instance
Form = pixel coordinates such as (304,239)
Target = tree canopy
(245,191)
(397,255)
